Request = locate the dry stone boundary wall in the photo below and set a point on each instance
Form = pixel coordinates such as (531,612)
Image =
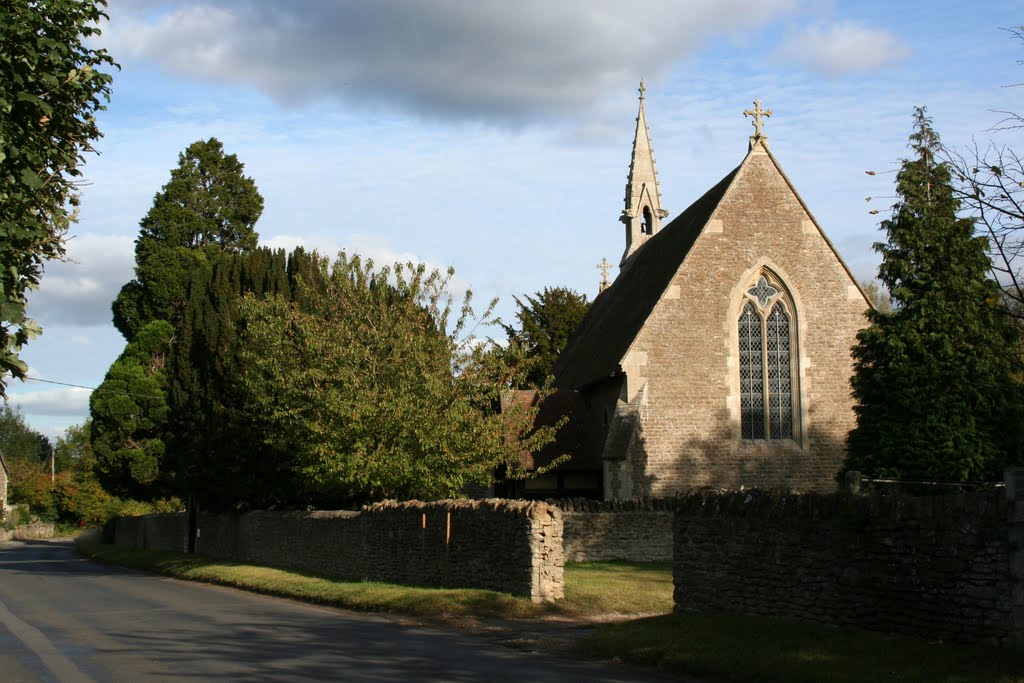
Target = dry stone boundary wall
(948,567)
(637,530)
(509,546)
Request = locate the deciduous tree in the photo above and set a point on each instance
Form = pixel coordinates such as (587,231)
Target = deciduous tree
(27,454)
(933,385)
(372,392)
(51,85)
(990,184)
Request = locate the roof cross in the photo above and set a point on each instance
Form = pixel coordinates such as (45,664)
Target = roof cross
(604,267)
(643,88)
(758,114)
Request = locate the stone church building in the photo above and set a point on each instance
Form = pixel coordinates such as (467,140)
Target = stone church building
(720,355)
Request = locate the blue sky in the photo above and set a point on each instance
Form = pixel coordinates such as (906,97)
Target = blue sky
(495,136)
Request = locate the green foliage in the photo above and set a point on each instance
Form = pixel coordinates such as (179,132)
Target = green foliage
(129,413)
(546,321)
(213,434)
(73,449)
(74,495)
(26,453)
(18,441)
(51,84)
(368,391)
(207,207)
(932,383)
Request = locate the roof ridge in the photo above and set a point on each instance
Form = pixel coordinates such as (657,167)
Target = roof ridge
(617,314)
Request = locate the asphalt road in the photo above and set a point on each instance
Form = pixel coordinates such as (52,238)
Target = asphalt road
(68,620)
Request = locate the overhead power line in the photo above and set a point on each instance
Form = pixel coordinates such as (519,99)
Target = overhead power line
(82,386)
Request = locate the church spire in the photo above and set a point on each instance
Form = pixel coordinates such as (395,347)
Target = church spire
(643,213)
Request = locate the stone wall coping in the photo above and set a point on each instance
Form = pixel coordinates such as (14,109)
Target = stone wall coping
(617,505)
(802,506)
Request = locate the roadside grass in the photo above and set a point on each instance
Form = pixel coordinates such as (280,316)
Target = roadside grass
(618,588)
(759,649)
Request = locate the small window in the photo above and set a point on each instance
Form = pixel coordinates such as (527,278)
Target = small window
(647,227)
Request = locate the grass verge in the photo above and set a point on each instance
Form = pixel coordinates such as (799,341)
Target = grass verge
(757,649)
(617,588)
(591,589)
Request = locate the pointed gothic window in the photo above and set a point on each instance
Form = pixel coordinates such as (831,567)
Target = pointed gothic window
(647,227)
(766,362)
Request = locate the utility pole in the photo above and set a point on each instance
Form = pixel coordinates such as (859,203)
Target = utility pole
(53,469)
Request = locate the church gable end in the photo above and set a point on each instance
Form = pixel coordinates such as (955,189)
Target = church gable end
(720,355)
(734,400)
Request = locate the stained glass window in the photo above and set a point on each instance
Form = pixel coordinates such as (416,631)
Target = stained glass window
(766,366)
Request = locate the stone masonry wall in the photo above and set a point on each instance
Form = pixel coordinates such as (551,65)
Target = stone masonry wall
(27,532)
(687,354)
(938,567)
(158,531)
(632,530)
(509,546)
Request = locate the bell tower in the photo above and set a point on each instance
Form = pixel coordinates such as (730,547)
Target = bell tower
(643,213)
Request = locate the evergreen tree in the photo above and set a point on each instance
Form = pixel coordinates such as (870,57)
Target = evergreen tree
(207,207)
(546,321)
(933,377)
(129,414)
(215,437)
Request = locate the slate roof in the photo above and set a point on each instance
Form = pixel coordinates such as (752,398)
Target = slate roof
(617,314)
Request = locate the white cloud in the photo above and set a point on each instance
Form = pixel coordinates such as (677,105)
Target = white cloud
(842,48)
(488,59)
(325,246)
(78,292)
(71,401)
(378,249)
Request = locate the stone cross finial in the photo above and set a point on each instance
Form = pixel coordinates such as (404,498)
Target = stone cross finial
(758,114)
(604,267)
(643,88)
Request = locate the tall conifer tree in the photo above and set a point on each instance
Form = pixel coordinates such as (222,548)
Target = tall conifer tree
(546,321)
(207,207)
(215,438)
(935,398)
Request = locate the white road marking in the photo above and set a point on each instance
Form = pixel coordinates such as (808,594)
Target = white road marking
(34,639)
